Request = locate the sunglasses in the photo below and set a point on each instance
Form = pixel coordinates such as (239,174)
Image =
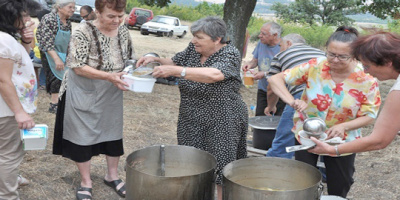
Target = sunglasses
(86,16)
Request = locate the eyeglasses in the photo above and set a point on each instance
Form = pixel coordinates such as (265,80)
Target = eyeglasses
(339,57)
(86,16)
(264,33)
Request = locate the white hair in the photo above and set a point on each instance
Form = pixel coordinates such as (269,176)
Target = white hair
(274,28)
(61,3)
(294,38)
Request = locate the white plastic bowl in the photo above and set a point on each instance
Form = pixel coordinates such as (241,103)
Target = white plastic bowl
(331,197)
(137,84)
(305,139)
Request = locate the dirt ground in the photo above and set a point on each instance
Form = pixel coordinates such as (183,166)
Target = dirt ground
(150,119)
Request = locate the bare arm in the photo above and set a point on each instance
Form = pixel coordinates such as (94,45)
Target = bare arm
(278,86)
(250,65)
(9,94)
(89,72)
(385,130)
(272,100)
(145,60)
(339,129)
(202,75)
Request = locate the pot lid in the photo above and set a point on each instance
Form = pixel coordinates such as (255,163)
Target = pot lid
(264,122)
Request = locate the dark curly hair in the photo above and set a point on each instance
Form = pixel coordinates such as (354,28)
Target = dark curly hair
(11,14)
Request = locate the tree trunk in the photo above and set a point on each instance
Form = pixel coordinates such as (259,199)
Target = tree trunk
(237,14)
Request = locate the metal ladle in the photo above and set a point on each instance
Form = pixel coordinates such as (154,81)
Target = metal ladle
(313,126)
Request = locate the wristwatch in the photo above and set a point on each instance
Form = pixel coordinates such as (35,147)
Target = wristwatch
(183,73)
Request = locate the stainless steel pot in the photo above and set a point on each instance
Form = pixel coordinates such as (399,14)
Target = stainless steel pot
(170,172)
(260,178)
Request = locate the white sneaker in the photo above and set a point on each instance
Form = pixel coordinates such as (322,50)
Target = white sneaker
(22,181)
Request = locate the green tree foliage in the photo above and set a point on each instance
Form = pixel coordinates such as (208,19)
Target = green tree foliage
(158,3)
(382,8)
(186,13)
(330,12)
(315,35)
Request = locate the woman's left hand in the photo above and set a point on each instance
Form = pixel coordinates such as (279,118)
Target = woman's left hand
(336,131)
(164,71)
(321,147)
(27,32)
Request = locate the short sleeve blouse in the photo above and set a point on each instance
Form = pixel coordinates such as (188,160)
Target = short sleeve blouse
(356,96)
(47,31)
(23,75)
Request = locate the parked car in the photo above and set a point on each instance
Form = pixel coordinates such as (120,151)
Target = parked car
(137,17)
(162,25)
(76,17)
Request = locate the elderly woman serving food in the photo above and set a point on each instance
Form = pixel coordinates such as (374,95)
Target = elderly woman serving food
(89,120)
(212,114)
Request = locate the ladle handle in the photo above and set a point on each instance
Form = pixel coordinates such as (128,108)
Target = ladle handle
(303,115)
(162,160)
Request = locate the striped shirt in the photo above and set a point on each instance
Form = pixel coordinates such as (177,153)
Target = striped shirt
(292,57)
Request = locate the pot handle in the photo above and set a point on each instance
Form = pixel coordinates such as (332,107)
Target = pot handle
(320,189)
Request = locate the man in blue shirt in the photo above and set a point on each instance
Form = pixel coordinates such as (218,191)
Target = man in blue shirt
(267,47)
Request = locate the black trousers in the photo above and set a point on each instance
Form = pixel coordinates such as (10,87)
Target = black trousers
(262,104)
(339,171)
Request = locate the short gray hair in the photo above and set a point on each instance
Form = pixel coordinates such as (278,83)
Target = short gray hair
(61,3)
(274,28)
(294,38)
(214,27)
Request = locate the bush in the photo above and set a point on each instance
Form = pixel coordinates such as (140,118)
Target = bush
(186,13)
(315,35)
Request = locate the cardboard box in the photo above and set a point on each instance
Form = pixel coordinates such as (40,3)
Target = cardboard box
(35,138)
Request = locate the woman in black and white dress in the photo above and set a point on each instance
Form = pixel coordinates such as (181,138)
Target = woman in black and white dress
(212,114)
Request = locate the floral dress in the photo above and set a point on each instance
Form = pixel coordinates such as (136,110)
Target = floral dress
(356,96)
(213,116)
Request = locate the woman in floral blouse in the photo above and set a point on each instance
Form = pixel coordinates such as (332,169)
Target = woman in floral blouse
(18,88)
(339,92)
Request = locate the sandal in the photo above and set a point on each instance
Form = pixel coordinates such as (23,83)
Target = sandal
(80,196)
(114,184)
(53,108)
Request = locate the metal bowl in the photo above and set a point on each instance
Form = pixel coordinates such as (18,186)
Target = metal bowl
(151,54)
(315,126)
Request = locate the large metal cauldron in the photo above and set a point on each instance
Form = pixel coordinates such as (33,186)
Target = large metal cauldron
(262,178)
(170,172)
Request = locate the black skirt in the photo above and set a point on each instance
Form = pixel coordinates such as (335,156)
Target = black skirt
(79,153)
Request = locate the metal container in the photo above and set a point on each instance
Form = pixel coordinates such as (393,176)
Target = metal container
(151,54)
(315,126)
(170,172)
(264,128)
(260,178)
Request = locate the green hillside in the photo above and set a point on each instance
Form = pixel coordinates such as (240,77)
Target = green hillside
(263,7)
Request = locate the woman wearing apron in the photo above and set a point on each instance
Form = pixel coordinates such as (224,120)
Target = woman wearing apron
(89,118)
(53,35)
